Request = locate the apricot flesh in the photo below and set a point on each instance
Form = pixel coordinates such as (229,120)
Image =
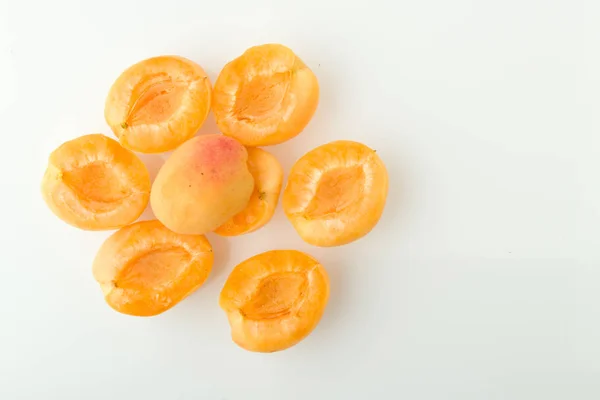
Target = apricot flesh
(268,178)
(265,97)
(93,183)
(159,103)
(336,193)
(144,269)
(275,299)
(203,184)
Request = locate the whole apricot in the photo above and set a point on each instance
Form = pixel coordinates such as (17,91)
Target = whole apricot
(144,269)
(336,193)
(204,183)
(158,103)
(265,97)
(268,177)
(93,183)
(275,299)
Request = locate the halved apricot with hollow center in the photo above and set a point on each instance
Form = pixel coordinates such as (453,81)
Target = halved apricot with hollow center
(93,183)
(336,193)
(266,96)
(144,269)
(275,299)
(268,177)
(158,103)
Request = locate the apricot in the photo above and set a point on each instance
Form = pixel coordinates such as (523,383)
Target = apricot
(275,299)
(144,269)
(336,193)
(268,177)
(204,183)
(158,103)
(93,183)
(266,96)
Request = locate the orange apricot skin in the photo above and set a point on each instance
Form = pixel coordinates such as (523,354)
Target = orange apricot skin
(251,289)
(268,179)
(158,103)
(265,97)
(203,184)
(353,221)
(135,279)
(101,156)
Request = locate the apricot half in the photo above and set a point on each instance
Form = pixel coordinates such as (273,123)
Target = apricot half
(336,193)
(268,177)
(144,269)
(158,103)
(204,183)
(275,299)
(93,183)
(266,96)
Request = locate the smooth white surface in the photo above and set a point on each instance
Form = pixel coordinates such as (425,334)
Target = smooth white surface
(482,280)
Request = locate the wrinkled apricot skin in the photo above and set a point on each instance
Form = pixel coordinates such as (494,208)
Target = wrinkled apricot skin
(93,183)
(336,193)
(265,97)
(144,269)
(275,299)
(204,183)
(158,103)
(268,178)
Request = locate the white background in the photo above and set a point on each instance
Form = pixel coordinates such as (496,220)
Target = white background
(482,280)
